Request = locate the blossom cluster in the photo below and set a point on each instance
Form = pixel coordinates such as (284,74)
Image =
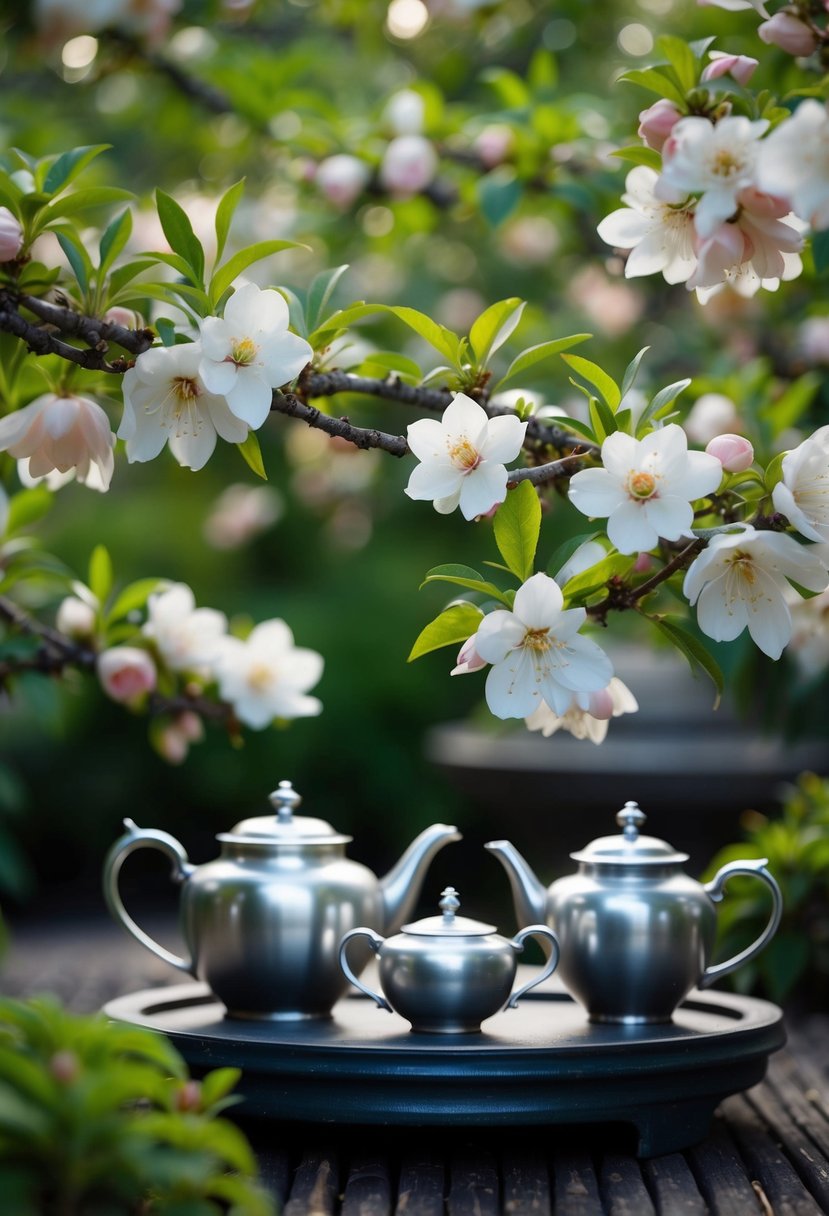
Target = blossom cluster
(263,677)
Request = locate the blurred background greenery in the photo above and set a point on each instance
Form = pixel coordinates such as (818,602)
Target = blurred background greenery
(336,549)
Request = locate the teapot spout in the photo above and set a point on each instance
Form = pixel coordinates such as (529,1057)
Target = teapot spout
(529,896)
(400,888)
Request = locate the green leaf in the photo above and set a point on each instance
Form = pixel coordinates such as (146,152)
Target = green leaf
(320,292)
(252,453)
(77,257)
(113,240)
(225,212)
(659,405)
(517,525)
(457,623)
(595,376)
(774,471)
(566,550)
(656,81)
(578,428)
(510,88)
(178,230)
(790,406)
(632,371)
(217,1084)
(442,339)
(133,597)
(296,311)
(225,275)
(340,320)
(123,275)
(820,250)
(69,164)
(493,327)
(639,156)
(581,586)
(84,200)
(697,655)
(602,417)
(534,354)
(100,574)
(465,576)
(499,193)
(682,60)
(27,507)
(381,363)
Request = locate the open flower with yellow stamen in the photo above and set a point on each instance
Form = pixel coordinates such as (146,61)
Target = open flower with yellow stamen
(462,457)
(249,352)
(165,401)
(740,581)
(267,676)
(646,487)
(536,653)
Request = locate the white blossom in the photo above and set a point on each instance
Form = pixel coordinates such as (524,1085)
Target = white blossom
(462,457)
(61,432)
(735,6)
(536,652)
(646,487)
(714,160)
(166,401)
(809,643)
(186,637)
(588,715)
(659,232)
(794,162)
(740,581)
(250,351)
(267,676)
(757,248)
(125,673)
(803,494)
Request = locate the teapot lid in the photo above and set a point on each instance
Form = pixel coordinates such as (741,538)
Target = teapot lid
(630,848)
(285,827)
(449,925)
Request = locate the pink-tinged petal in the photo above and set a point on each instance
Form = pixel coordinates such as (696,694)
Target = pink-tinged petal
(218,377)
(229,427)
(194,450)
(503,439)
(669,516)
(215,339)
(498,633)
(629,530)
(14,426)
(538,602)
(428,481)
(596,493)
(463,416)
(427,440)
(512,686)
(625,229)
(713,209)
(250,398)
(581,666)
(284,356)
(482,489)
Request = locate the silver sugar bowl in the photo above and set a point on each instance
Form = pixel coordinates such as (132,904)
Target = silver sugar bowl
(636,931)
(263,921)
(446,974)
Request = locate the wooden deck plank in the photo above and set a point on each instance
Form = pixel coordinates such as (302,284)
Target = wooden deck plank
(525,1182)
(673,1187)
(420,1187)
(622,1187)
(369,1186)
(768,1164)
(721,1175)
(773,1106)
(576,1190)
(474,1188)
(315,1187)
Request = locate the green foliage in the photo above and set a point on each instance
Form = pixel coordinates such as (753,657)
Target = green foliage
(795,966)
(101,1119)
(455,624)
(517,526)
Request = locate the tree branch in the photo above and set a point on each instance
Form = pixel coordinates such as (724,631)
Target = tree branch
(340,428)
(90,329)
(621,597)
(552,471)
(41,339)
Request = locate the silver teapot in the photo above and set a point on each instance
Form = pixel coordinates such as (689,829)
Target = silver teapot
(446,974)
(636,932)
(263,922)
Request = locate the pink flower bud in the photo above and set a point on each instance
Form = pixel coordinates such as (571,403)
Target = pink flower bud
(342,179)
(126,672)
(76,618)
(191,726)
(600,705)
(734,452)
(188,1098)
(789,33)
(657,122)
(11,235)
(468,659)
(740,67)
(409,164)
(128,317)
(643,563)
(494,144)
(64,1067)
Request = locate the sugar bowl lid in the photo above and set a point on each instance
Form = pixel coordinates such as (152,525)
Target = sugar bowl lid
(285,827)
(449,924)
(630,848)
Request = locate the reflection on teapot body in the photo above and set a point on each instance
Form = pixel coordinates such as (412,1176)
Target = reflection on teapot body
(636,932)
(446,974)
(263,922)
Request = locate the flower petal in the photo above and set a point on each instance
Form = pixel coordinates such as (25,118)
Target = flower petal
(538,602)
(250,398)
(482,489)
(503,439)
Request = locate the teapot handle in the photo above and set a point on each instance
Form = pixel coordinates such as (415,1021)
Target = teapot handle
(552,961)
(136,838)
(375,941)
(714,889)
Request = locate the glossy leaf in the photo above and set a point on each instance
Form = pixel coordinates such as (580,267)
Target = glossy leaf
(597,378)
(224,214)
(179,232)
(457,623)
(252,454)
(442,339)
(516,526)
(698,656)
(465,576)
(100,573)
(320,292)
(68,165)
(114,239)
(493,327)
(132,598)
(534,354)
(225,275)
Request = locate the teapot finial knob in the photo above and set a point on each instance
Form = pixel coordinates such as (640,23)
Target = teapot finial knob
(630,819)
(285,801)
(449,904)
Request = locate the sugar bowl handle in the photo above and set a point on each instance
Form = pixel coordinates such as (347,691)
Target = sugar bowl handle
(375,941)
(552,961)
(136,838)
(714,889)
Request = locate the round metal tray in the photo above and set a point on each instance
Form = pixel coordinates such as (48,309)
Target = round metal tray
(540,1063)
